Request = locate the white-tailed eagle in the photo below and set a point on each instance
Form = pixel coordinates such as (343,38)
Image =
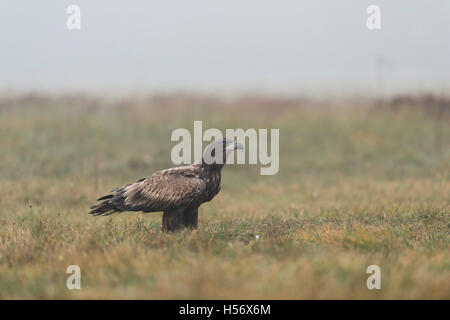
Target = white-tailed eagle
(178,192)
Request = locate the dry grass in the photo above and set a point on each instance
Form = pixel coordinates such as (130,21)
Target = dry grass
(357,186)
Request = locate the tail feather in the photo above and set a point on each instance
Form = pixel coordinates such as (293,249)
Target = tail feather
(111,204)
(103,209)
(109,196)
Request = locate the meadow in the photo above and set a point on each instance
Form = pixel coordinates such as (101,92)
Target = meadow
(361,182)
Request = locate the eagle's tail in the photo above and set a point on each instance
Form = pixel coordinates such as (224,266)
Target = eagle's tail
(105,208)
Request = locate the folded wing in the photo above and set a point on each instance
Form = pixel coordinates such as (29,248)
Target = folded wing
(164,190)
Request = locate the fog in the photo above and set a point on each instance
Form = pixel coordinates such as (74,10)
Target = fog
(295,47)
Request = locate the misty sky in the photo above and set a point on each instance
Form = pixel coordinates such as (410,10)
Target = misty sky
(230,46)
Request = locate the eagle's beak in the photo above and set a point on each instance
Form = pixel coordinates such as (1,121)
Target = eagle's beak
(238,146)
(235,146)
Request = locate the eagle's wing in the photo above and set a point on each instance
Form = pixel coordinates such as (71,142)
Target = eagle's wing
(164,190)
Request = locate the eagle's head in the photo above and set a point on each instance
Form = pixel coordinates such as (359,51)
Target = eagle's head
(217,152)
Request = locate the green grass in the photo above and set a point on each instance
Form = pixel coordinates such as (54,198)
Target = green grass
(357,186)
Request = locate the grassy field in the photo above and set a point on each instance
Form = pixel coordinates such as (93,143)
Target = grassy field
(359,184)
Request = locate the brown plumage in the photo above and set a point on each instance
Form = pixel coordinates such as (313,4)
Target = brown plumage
(178,192)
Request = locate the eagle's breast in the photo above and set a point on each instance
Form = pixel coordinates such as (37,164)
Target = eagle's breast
(213,184)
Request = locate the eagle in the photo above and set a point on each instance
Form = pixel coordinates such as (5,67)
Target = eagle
(177,192)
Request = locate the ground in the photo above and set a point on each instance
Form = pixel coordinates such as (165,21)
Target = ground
(360,183)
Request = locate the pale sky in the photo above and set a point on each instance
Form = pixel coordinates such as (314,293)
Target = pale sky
(225,46)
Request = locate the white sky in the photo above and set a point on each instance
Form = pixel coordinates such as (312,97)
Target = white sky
(231,46)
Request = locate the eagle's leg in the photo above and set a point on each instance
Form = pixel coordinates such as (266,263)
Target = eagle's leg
(191,218)
(179,219)
(172,220)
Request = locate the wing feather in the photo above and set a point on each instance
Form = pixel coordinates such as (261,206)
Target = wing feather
(164,190)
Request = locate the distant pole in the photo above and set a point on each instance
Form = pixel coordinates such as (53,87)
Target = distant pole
(379,65)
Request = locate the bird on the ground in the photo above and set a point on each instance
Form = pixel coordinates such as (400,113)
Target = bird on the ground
(177,192)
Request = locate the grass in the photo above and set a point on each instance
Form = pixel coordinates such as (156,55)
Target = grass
(358,185)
